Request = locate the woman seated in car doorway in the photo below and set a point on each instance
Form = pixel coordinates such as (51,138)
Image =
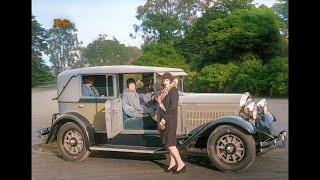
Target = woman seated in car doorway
(134,108)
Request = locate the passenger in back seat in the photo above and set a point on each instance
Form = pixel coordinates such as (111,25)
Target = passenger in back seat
(146,92)
(132,104)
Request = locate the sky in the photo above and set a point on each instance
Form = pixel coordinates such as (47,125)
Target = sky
(115,18)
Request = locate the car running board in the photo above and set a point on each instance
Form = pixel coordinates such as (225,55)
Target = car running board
(124,148)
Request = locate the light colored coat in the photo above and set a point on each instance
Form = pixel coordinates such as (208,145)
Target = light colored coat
(89,91)
(131,104)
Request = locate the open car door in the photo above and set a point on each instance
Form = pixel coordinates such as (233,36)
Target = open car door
(113,117)
(113,111)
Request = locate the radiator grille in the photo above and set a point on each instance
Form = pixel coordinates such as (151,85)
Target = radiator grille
(198,117)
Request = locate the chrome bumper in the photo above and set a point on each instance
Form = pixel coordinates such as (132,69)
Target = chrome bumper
(42,132)
(278,142)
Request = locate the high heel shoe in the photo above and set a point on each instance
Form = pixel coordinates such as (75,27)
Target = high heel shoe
(173,168)
(181,170)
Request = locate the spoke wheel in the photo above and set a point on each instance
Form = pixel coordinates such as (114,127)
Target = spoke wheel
(231,149)
(71,142)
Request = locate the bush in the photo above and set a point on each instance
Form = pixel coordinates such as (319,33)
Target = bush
(215,77)
(163,55)
(248,76)
(277,76)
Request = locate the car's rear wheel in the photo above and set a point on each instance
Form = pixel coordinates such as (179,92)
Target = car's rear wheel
(71,142)
(231,149)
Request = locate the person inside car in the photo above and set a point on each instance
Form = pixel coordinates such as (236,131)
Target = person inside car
(146,92)
(87,87)
(132,105)
(139,116)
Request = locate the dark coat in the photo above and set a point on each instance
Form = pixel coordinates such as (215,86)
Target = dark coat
(170,102)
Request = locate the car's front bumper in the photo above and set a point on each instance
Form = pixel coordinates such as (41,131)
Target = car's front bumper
(278,142)
(42,133)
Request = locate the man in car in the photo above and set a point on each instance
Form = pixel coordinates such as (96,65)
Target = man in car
(146,92)
(87,87)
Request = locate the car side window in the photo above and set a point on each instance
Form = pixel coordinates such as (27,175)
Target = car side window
(97,85)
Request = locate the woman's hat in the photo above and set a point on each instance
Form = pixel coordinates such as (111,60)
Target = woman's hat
(147,75)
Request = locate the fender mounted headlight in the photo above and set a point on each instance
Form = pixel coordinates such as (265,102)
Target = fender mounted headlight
(263,105)
(244,98)
(252,107)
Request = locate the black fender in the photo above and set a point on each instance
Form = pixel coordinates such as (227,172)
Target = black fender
(231,120)
(84,124)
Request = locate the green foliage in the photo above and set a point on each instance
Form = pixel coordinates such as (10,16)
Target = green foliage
(102,52)
(248,77)
(158,21)
(215,77)
(228,37)
(276,72)
(40,71)
(163,55)
(283,46)
(244,31)
(189,82)
(39,36)
(229,6)
(232,47)
(164,27)
(193,45)
(281,8)
(164,20)
(63,47)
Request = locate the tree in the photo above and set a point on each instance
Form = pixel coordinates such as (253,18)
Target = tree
(281,8)
(215,77)
(193,44)
(276,78)
(165,20)
(228,6)
(107,52)
(63,47)
(158,21)
(161,54)
(249,76)
(40,71)
(253,30)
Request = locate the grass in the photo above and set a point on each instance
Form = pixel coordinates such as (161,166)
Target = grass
(45,85)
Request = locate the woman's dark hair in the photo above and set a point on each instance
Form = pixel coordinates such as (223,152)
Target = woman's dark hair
(130,80)
(167,75)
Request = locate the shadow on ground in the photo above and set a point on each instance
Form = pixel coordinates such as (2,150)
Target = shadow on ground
(197,158)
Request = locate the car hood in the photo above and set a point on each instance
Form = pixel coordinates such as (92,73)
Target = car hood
(209,98)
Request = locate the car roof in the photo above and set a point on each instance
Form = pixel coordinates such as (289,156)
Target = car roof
(122,69)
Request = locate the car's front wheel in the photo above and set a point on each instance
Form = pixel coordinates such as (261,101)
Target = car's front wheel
(231,149)
(71,142)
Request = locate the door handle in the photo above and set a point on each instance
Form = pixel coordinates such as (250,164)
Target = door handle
(80,106)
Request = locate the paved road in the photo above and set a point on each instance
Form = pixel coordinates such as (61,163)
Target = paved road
(47,163)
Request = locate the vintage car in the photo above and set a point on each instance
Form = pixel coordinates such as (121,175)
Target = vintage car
(231,127)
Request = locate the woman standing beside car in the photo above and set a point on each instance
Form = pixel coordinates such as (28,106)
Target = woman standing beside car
(168,115)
